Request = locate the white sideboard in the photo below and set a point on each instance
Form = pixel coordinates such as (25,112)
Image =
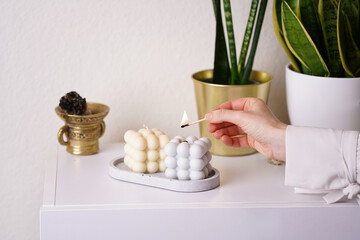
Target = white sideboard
(81,201)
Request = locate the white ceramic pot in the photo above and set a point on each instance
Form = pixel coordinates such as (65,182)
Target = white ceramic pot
(322,101)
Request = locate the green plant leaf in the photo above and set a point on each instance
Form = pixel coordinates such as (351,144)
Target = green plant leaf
(306,11)
(328,19)
(351,10)
(231,42)
(277,9)
(300,43)
(308,15)
(276,16)
(247,37)
(255,40)
(349,51)
(221,63)
(214,7)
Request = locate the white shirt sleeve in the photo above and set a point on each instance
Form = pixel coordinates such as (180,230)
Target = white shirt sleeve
(323,159)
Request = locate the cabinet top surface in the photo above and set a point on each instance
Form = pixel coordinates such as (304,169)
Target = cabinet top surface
(248,181)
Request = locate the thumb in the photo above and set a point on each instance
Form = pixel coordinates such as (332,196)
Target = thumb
(224,115)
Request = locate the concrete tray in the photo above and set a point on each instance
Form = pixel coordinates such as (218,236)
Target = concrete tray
(120,171)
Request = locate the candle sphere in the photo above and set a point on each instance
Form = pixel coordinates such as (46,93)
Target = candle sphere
(162,154)
(138,143)
(201,143)
(170,149)
(207,141)
(208,155)
(170,173)
(182,149)
(152,141)
(170,162)
(127,148)
(181,138)
(191,139)
(128,134)
(183,163)
(152,167)
(153,155)
(196,164)
(126,159)
(138,156)
(139,167)
(183,174)
(197,151)
(157,132)
(205,160)
(162,166)
(163,139)
(175,140)
(197,175)
(145,132)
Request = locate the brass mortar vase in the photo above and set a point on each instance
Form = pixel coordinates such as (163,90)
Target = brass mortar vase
(83,131)
(209,96)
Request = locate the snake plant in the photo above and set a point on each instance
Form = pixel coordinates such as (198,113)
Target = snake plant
(320,37)
(237,71)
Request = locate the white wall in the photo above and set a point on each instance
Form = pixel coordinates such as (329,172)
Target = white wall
(136,56)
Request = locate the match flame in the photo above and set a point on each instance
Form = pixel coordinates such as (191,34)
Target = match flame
(184,119)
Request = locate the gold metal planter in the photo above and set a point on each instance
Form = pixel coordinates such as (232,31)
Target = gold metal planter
(210,96)
(83,131)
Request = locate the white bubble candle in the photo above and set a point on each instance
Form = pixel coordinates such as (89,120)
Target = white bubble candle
(144,150)
(188,159)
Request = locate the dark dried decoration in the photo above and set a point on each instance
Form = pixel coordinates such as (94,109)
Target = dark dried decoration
(72,103)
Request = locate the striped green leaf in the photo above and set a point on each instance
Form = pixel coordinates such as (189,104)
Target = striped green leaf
(300,42)
(231,41)
(247,37)
(351,10)
(308,15)
(349,50)
(255,40)
(221,63)
(328,19)
(277,9)
(276,15)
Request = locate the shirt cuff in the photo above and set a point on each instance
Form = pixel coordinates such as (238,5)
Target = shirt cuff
(321,159)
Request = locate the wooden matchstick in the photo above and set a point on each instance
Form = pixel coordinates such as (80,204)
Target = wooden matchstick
(189,124)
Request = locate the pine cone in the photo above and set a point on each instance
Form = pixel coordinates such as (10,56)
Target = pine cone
(72,103)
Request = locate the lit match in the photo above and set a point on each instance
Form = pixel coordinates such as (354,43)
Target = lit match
(185,119)
(192,123)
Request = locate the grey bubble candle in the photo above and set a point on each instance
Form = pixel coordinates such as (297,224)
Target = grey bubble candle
(188,159)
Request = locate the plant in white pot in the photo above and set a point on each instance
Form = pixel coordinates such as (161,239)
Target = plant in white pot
(234,79)
(321,39)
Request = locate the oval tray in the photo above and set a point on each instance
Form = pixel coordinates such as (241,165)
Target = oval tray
(120,171)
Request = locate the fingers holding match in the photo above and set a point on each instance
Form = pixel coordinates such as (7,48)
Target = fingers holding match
(231,131)
(212,127)
(235,141)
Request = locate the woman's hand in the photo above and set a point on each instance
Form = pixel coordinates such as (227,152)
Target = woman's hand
(252,118)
